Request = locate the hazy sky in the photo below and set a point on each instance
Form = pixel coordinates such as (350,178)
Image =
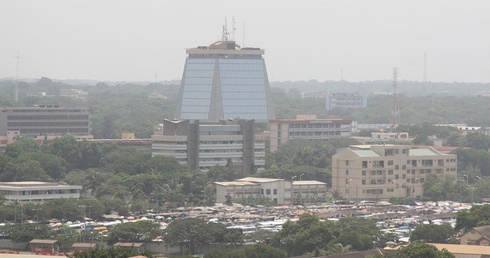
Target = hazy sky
(120,40)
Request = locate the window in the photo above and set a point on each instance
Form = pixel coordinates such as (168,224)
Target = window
(262,191)
(396,177)
(347,163)
(390,190)
(408,161)
(404,167)
(268,191)
(364,172)
(347,172)
(390,172)
(404,176)
(390,162)
(363,181)
(405,151)
(378,164)
(275,191)
(422,180)
(397,151)
(364,164)
(396,167)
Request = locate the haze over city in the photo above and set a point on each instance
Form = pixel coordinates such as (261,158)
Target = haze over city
(303,40)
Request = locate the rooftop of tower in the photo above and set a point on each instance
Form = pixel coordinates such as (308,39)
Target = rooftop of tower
(224,49)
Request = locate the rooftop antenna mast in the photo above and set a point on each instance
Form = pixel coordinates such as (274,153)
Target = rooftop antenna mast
(224,36)
(395,101)
(233,29)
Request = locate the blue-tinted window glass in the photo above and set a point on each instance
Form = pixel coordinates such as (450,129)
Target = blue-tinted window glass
(198,83)
(243,88)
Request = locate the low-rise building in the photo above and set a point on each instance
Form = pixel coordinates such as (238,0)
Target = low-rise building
(202,146)
(477,236)
(279,191)
(307,127)
(31,191)
(45,121)
(385,171)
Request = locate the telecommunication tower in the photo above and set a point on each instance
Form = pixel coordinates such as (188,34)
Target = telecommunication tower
(395,101)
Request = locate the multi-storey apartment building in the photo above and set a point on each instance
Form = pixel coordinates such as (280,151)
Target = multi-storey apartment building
(307,127)
(201,146)
(385,171)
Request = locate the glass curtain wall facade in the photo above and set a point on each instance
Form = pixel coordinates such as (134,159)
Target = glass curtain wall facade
(225,84)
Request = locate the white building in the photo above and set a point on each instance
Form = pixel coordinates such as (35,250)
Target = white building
(278,190)
(31,191)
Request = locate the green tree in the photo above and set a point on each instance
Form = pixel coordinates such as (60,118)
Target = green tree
(478,215)
(253,251)
(432,233)
(359,242)
(67,148)
(141,231)
(63,209)
(190,232)
(305,235)
(119,252)
(20,146)
(24,232)
(420,249)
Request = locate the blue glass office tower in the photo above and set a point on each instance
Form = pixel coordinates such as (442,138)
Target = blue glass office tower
(224,81)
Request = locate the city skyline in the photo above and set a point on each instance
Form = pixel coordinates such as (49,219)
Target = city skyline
(323,40)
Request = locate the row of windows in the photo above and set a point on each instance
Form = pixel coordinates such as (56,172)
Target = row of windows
(241,67)
(241,61)
(243,95)
(197,95)
(314,125)
(243,102)
(195,109)
(314,133)
(198,74)
(54,131)
(243,88)
(199,67)
(195,102)
(208,81)
(46,124)
(49,117)
(201,61)
(243,74)
(243,81)
(245,110)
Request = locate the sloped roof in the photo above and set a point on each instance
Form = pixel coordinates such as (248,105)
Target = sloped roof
(365,153)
